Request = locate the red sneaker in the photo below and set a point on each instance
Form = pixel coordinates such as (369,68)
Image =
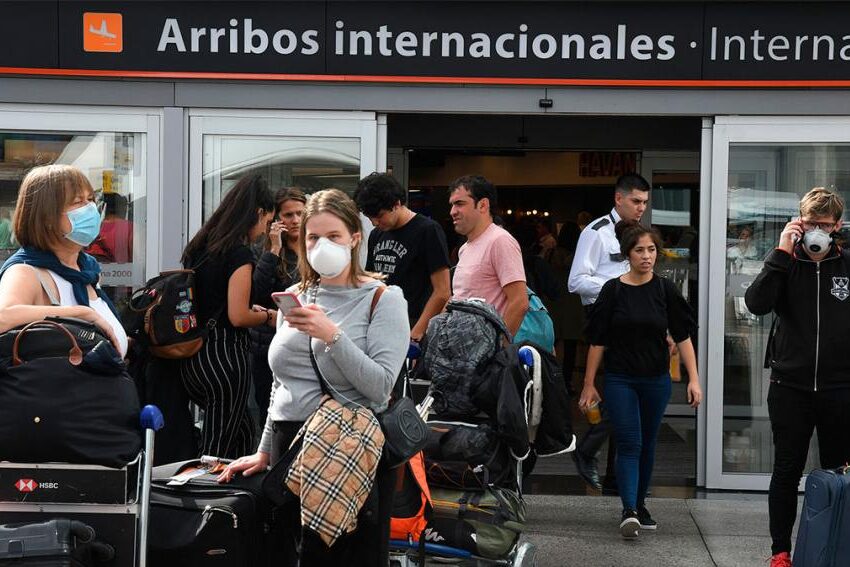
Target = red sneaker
(781,560)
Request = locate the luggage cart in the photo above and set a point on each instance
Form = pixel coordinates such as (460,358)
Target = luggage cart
(523,554)
(114,502)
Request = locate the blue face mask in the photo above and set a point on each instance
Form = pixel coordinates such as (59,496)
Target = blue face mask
(85,224)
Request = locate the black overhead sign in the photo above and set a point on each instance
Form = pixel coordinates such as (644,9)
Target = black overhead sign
(663,43)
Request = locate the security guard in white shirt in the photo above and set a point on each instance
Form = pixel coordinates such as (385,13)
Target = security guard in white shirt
(597,260)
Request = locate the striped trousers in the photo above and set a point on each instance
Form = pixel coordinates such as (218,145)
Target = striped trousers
(218,379)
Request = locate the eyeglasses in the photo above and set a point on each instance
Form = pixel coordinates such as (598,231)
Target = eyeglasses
(824,226)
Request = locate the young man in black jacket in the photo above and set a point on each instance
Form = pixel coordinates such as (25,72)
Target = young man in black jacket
(806,282)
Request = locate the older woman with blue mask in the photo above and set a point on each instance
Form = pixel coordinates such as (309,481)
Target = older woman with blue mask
(55,218)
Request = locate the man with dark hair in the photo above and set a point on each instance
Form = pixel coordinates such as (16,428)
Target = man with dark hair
(490,264)
(408,247)
(597,260)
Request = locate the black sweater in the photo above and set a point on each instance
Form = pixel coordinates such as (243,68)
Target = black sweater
(632,321)
(812,301)
(268,279)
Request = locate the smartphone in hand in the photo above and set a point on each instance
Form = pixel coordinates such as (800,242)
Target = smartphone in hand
(285,300)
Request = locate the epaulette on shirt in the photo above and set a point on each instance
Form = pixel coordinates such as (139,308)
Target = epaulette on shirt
(600,223)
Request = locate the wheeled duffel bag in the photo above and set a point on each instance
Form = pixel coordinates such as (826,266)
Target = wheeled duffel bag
(202,523)
(462,456)
(822,537)
(488,523)
(65,396)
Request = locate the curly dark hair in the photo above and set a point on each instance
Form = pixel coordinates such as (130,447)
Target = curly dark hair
(378,192)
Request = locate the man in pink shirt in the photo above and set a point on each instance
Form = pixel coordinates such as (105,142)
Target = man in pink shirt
(490,265)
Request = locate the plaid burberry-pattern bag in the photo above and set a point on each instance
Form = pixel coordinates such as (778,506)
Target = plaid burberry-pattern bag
(336,467)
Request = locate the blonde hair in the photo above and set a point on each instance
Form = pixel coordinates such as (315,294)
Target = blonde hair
(821,202)
(341,206)
(44,194)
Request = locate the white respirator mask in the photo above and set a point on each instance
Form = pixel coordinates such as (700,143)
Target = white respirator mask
(816,241)
(329,258)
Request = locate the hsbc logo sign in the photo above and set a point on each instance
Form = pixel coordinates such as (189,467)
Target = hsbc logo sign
(29,485)
(26,485)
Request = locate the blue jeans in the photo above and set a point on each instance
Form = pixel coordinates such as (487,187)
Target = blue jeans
(635,407)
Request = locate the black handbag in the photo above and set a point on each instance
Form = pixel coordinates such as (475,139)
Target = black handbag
(44,339)
(405,433)
(77,407)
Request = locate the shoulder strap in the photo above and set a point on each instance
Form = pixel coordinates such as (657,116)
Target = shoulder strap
(325,390)
(44,286)
(375,298)
(665,285)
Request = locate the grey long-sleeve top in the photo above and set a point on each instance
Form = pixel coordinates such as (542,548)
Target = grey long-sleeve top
(362,366)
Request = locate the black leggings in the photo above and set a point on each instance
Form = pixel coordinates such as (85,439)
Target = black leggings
(290,513)
(794,415)
(368,545)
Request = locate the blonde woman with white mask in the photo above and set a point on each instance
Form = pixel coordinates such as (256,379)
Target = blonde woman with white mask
(358,351)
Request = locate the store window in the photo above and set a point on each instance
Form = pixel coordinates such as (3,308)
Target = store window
(312,163)
(765,185)
(114,164)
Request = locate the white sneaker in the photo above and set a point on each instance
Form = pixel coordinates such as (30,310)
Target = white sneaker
(630,526)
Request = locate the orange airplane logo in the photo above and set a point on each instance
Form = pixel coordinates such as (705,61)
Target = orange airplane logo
(102,32)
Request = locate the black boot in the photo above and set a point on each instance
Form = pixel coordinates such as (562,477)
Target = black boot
(585,454)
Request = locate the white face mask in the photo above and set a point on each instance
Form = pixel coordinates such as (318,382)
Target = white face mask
(329,258)
(816,241)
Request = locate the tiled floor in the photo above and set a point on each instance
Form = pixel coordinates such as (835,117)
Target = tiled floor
(714,530)
(675,464)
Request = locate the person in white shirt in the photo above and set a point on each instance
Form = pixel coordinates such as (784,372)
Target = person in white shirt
(597,260)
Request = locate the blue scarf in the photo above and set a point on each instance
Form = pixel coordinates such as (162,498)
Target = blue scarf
(87,275)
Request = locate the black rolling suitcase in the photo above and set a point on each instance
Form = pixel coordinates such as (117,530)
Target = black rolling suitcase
(202,523)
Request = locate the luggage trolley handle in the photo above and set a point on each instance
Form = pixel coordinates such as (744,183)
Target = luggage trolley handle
(152,421)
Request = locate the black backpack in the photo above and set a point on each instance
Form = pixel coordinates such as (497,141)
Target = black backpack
(164,315)
(457,346)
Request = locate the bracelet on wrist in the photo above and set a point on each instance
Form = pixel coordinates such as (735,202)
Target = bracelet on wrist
(334,339)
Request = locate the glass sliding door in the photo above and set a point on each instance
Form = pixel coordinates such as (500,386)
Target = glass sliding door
(674,212)
(116,153)
(311,150)
(761,169)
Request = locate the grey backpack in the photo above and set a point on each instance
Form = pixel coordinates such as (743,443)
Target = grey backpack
(457,346)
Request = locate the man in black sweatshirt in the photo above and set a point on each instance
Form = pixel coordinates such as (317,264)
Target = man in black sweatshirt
(805,281)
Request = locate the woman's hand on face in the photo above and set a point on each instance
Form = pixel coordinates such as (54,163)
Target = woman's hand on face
(247,465)
(311,319)
(589,394)
(276,234)
(694,393)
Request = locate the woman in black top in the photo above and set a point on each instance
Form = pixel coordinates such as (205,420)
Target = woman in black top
(276,270)
(218,376)
(629,324)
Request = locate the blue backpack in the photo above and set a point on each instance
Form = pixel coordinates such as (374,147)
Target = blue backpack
(536,326)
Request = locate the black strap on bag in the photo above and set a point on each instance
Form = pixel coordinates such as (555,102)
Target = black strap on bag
(405,433)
